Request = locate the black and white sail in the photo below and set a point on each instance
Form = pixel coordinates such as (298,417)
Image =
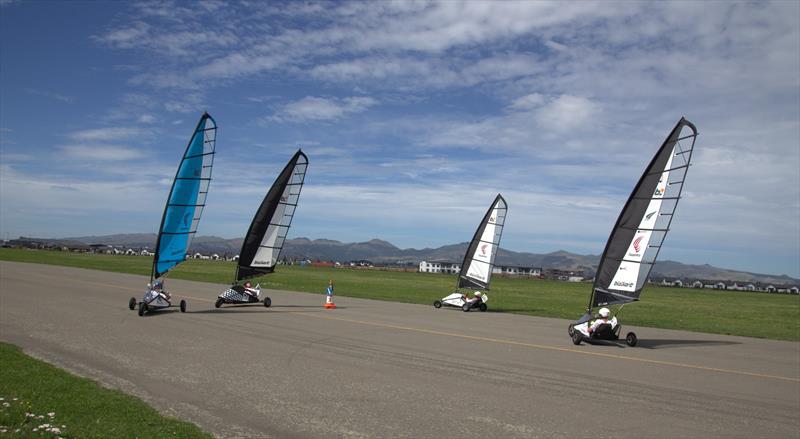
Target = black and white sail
(476,270)
(264,240)
(643,224)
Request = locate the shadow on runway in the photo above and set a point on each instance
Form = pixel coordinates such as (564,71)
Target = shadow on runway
(669,343)
(243,309)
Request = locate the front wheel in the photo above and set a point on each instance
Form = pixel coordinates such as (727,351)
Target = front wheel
(132,303)
(482,307)
(267,302)
(571,330)
(142,308)
(465,307)
(631,339)
(577,338)
(183,306)
(437,304)
(219,302)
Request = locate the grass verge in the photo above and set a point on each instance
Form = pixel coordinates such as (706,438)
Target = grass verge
(748,314)
(39,400)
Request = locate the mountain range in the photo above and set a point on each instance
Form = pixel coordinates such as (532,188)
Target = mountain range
(379,251)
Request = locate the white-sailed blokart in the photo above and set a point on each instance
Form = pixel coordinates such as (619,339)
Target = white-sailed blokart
(238,294)
(610,331)
(459,300)
(153,301)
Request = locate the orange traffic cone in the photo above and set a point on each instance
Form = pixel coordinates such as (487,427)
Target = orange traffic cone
(329,296)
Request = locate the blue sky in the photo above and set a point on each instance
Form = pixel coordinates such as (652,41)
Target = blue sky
(414,115)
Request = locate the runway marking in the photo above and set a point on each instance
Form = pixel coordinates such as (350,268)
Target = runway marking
(553,348)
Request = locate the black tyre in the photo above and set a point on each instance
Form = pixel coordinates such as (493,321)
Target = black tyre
(267,302)
(631,339)
(465,307)
(571,330)
(437,304)
(132,303)
(577,337)
(183,306)
(142,308)
(482,307)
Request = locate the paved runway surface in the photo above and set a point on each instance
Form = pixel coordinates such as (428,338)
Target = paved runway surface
(376,369)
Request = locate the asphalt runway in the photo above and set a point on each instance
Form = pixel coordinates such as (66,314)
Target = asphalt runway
(372,369)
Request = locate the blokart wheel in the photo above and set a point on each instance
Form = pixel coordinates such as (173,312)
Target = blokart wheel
(219,302)
(631,339)
(465,307)
(132,303)
(577,337)
(267,302)
(183,306)
(437,304)
(142,308)
(571,330)
(482,307)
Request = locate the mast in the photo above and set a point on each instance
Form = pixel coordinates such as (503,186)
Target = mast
(643,223)
(476,269)
(266,236)
(186,198)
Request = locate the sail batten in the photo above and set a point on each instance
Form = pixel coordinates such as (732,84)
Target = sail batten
(476,270)
(186,200)
(642,226)
(263,243)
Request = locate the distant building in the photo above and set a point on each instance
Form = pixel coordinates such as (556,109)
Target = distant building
(440,266)
(564,275)
(516,270)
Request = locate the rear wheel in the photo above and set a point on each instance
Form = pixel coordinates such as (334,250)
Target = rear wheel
(219,302)
(437,304)
(576,337)
(183,306)
(571,330)
(132,303)
(465,307)
(142,308)
(482,307)
(631,339)
(267,302)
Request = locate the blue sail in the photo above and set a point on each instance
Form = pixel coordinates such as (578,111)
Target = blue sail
(186,198)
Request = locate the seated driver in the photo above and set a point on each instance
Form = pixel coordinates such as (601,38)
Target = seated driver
(603,318)
(248,288)
(475,297)
(158,287)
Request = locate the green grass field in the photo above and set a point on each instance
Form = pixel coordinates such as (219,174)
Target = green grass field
(39,400)
(760,315)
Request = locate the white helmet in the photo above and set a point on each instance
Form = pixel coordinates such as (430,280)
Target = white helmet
(604,312)
(477,294)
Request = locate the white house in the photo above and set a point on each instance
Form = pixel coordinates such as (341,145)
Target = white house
(439,267)
(145,252)
(514,270)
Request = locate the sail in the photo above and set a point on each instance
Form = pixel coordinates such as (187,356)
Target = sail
(186,199)
(264,240)
(476,270)
(643,224)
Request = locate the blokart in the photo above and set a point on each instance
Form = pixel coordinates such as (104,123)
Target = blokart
(579,331)
(459,300)
(154,300)
(238,294)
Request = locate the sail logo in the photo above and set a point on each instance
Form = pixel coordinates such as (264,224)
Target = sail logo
(619,283)
(637,244)
(650,215)
(283,198)
(660,191)
(483,249)
(493,219)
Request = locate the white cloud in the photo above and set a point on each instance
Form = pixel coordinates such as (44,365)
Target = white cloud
(106,134)
(101,152)
(566,113)
(312,108)
(147,118)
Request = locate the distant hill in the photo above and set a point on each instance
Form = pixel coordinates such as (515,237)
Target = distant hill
(379,251)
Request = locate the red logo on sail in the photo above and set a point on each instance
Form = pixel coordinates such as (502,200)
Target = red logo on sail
(637,243)
(483,249)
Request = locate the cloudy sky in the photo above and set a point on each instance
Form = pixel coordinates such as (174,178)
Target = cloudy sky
(414,115)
